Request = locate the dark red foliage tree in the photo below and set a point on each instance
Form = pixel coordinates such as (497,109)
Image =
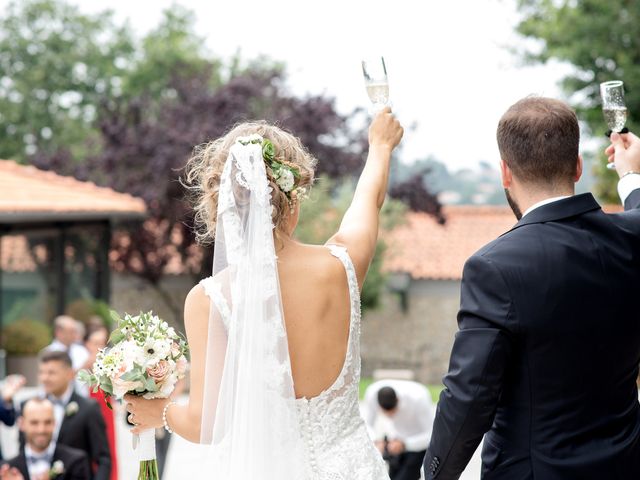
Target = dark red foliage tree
(145,143)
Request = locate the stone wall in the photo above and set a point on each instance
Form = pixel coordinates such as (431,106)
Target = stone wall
(419,339)
(132,294)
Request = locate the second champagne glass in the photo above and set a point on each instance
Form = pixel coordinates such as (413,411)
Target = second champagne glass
(613,107)
(375,79)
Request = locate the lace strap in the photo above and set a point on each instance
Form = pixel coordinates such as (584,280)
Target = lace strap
(213,290)
(341,253)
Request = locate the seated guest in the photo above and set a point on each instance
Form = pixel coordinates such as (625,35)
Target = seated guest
(79,422)
(41,458)
(11,385)
(408,411)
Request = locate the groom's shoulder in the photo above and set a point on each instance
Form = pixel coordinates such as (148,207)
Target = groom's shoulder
(513,241)
(506,251)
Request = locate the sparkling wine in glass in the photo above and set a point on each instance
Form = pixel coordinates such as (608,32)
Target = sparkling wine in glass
(375,79)
(613,107)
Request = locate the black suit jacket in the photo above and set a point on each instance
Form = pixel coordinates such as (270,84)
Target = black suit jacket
(547,353)
(76,465)
(86,430)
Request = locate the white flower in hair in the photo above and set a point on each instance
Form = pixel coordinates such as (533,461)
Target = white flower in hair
(286,180)
(253,138)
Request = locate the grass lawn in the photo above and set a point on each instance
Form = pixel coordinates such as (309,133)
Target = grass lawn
(433,389)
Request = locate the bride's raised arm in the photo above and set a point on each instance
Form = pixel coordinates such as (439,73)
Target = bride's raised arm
(359,228)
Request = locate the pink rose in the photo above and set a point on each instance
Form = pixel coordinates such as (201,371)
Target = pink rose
(175,350)
(159,371)
(122,387)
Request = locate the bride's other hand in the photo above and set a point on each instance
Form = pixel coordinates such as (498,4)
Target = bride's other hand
(145,414)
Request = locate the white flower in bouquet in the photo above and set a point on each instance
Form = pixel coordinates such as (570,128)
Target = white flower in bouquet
(146,358)
(156,350)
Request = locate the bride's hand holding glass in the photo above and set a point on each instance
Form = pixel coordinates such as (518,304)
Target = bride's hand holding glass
(385,130)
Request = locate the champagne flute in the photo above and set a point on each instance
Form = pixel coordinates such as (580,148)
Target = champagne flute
(613,107)
(376,82)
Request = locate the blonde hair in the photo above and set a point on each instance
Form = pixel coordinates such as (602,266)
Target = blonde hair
(204,169)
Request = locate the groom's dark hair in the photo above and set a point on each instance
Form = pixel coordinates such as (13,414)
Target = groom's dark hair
(538,139)
(387,398)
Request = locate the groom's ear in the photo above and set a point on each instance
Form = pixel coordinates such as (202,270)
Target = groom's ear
(579,166)
(505,172)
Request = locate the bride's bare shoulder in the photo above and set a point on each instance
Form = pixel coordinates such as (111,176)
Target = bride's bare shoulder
(196,306)
(320,263)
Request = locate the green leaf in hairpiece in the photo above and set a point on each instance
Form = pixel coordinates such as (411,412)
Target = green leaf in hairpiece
(268,150)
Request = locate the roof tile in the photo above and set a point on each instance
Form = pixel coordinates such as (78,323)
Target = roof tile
(26,189)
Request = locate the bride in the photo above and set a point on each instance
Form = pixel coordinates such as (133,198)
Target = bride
(274,332)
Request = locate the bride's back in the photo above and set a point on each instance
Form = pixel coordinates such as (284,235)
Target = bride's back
(317,308)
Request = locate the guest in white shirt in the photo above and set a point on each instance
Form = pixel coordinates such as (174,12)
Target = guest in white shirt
(41,458)
(66,331)
(407,410)
(66,339)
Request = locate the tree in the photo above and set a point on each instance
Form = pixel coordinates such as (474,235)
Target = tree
(173,95)
(601,39)
(55,66)
(144,154)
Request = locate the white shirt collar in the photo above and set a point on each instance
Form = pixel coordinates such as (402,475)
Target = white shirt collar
(546,201)
(66,396)
(29,452)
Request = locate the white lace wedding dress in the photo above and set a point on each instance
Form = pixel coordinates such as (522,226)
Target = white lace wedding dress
(336,442)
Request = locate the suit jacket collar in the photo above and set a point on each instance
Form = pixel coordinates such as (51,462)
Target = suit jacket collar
(74,398)
(21,464)
(565,208)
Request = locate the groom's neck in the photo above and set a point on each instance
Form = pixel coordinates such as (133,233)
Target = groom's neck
(528,196)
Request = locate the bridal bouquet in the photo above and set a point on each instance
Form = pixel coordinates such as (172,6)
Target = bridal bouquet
(146,357)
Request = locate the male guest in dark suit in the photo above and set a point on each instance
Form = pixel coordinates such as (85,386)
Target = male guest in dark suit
(79,422)
(546,356)
(41,458)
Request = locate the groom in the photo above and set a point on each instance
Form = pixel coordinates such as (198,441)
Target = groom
(546,357)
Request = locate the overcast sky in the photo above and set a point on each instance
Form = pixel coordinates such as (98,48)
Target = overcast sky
(450,70)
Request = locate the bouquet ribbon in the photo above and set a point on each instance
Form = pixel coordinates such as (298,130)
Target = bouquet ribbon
(145,445)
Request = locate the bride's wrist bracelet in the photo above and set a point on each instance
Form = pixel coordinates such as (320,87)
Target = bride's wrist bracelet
(164,416)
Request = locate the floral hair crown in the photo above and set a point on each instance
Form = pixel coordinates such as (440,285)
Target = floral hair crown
(285,175)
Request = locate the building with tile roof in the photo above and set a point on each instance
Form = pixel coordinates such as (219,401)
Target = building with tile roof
(55,235)
(31,195)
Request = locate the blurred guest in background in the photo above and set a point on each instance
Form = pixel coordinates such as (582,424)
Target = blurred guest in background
(95,339)
(41,458)
(81,331)
(10,387)
(65,333)
(407,413)
(79,422)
